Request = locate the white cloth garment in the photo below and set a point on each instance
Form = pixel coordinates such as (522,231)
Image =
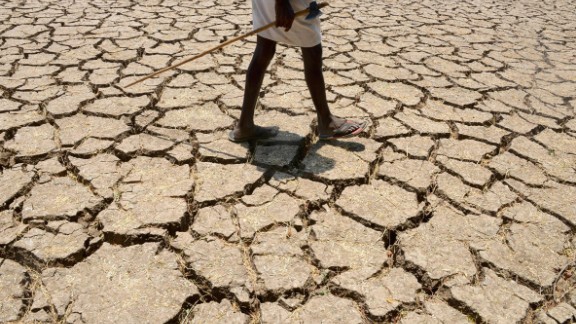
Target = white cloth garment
(304,33)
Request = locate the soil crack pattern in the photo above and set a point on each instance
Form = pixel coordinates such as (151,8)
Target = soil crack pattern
(131,205)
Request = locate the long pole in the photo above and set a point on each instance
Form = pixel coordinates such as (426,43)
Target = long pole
(221,45)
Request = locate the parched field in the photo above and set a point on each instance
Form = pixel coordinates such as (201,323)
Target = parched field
(130,205)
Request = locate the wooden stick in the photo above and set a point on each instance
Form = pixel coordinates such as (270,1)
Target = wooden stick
(221,45)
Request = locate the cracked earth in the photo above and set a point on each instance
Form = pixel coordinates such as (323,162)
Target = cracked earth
(129,205)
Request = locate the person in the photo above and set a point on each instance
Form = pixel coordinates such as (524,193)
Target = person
(297,32)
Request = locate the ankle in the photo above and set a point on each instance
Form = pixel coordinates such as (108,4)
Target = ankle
(325,120)
(245,124)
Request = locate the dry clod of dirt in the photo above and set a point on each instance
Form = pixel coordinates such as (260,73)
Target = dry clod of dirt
(140,283)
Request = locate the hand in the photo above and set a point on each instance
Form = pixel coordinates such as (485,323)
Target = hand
(284,14)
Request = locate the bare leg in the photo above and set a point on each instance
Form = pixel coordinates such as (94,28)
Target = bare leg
(327,122)
(245,128)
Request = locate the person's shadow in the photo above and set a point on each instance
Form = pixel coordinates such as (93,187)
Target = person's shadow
(308,155)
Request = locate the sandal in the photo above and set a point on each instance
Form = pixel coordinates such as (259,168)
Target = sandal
(259,133)
(348,129)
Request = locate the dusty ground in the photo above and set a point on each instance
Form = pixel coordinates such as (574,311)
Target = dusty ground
(130,206)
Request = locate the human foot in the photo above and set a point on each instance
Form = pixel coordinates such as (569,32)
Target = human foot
(341,128)
(238,135)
